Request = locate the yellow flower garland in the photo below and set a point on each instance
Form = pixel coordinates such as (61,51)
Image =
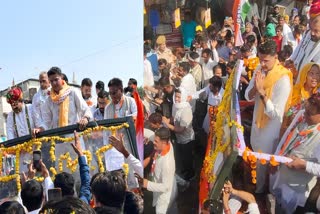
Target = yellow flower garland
(36,144)
(125,168)
(236,124)
(99,152)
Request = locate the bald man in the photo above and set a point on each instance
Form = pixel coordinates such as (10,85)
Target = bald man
(40,97)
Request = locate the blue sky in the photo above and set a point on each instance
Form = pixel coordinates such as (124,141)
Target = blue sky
(99,39)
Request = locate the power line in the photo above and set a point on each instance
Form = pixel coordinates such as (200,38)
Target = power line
(101,51)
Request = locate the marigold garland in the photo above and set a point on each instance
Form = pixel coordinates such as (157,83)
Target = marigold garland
(251,65)
(249,158)
(222,116)
(5,179)
(36,143)
(52,151)
(99,152)
(125,168)
(39,179)
(236,124)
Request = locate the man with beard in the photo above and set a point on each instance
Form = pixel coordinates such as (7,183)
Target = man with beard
(167,100)
(308,49)
(103,100)
(120,106)
(86,87)
(19,121)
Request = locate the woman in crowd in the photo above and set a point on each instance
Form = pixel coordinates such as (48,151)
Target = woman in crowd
(307,85)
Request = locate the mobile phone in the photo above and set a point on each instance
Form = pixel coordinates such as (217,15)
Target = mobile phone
(54,194)
(36,160)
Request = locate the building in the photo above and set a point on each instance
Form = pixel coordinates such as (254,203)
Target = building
(29,88)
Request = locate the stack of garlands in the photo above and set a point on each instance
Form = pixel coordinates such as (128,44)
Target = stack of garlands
(251,64)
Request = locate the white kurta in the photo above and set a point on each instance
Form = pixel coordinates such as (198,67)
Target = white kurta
(38,104)
(21,122)
(288,38)
(291,186)
(148,79)
(307,51)
(207,70)
(189,84)
(114,160)
(78,108)
(213,100)
(266,139)
(164,187)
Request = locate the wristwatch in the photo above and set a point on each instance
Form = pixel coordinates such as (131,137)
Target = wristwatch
(87,118)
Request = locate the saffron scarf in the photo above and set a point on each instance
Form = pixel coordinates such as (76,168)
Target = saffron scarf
(277,72)
(62,99)
(299,93)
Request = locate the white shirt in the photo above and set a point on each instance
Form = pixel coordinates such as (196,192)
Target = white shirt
(207,69)
(307,51)
(189,84)
(164,186)
(288,38)
(148,79)
(21,122)
(97,115)
(266,139)
(38,103)
(213,100)
(114,160)
(78,108)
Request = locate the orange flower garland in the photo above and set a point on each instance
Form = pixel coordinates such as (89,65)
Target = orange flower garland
(249,158)
(251,65)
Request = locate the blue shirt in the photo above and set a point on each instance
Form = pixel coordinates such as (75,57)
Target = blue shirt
(85,193)
(188,32)
(153,59)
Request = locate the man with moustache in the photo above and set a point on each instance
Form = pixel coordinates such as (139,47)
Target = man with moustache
(308,49)
(103,100)
(20,121)
(120,106)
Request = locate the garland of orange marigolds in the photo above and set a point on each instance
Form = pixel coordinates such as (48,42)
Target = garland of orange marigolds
(36,143)
(251,64)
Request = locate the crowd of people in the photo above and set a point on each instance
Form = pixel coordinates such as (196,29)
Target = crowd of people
(280,77)
(57,104)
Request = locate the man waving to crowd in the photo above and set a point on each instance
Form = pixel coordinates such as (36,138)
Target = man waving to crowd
(65,105)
